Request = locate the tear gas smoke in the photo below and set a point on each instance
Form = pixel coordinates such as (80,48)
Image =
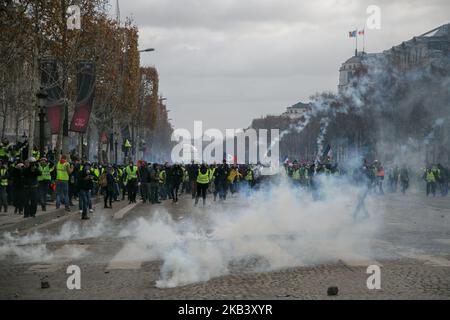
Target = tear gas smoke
(276,227)
(279,228)
(33,247)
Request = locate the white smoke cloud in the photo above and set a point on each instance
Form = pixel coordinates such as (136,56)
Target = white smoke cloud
(279,228)
(33,247)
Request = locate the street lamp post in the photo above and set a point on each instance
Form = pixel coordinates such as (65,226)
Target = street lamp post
(41,99)
(115,149)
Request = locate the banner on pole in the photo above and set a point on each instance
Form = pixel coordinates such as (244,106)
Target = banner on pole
(55,102)
(85,96)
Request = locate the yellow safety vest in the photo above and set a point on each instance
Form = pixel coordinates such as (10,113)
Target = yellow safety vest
(162,176)
(232,176)
(296,174)
(211,174)
(131,173)
(430,177)
(203,178)
(46,176)
(36,155)
(61,171)
(249,176)
(3,182)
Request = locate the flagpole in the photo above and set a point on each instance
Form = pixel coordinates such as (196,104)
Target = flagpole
(364,40)
(356,50)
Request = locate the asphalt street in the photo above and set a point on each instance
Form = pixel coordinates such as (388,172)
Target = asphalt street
(412,248)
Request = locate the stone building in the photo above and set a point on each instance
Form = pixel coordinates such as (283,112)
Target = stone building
(298,110)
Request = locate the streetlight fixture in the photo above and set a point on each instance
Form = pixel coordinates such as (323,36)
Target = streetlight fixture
(147,50)
(41,96)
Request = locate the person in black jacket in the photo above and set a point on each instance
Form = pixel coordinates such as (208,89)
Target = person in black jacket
(17,186)
(221,181)
(109,188)
(176,177)
(30,174)
(153,176)
(85,187)
(143,177)
(193,171)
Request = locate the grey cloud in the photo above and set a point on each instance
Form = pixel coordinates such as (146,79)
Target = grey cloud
(228,61)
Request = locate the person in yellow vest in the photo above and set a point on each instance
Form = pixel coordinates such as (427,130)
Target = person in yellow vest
(186,186)
(4,176)
(162,182)
(95,172)
(296,174)
(4,150)
(249,177)
(44,182)
(120,182)
(63,171)
(36,154)
(430,178)
(202,183)
(132,182)
(212,172)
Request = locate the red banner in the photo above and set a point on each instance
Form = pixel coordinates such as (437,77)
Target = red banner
(85,96)
(54,117)
(50,83)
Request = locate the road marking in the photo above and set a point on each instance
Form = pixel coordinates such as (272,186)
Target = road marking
(122,212)
(44,268)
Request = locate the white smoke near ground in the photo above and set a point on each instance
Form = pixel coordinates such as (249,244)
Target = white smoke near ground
(278,228)
(33,247)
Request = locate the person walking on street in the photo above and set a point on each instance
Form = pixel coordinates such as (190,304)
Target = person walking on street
(153,176)
(430,179)
(380,179)
(192,171)
(202,183)
(44,182)
(132,183)
(85,187)
(31,173)
(107,183)
(18,187)
(63,171)
(4,178)
(177,177)
(143,179)
(404,179)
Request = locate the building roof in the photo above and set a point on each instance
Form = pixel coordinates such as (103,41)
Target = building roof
(299,105)
(354,59)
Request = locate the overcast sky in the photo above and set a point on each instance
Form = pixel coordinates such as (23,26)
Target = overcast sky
(228,61)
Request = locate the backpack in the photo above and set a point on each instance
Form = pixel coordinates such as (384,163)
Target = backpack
(103,180)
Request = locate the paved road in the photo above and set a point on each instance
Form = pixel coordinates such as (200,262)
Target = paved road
(410,241)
